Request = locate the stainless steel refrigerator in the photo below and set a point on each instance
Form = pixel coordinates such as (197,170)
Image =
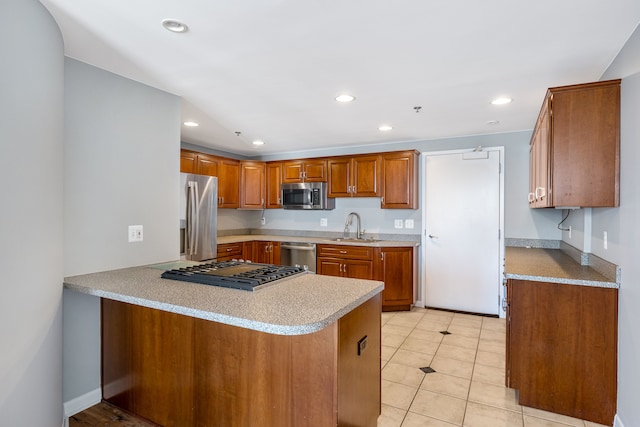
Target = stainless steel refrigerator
(199,221)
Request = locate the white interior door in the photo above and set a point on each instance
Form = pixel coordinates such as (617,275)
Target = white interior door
(462,247)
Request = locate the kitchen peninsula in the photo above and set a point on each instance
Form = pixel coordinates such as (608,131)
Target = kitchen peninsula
(304,351)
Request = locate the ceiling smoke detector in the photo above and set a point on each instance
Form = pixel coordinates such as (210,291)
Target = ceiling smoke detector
(175,26)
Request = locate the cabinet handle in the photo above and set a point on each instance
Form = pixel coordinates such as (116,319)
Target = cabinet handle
(381,256)
(382,200)
(532,197)
(262,202)
(542,193)
(343,252)
(279,200)
(345,268)
(229,249)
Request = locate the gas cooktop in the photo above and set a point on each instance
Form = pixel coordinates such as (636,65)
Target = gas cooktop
(233,274)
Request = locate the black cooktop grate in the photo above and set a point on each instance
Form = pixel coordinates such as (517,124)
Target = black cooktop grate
(233,274)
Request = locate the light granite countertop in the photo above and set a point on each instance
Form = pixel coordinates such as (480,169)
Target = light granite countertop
(552,265)
(297,305)
(318,240)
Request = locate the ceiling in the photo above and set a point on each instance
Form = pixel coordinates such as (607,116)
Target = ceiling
(271,69)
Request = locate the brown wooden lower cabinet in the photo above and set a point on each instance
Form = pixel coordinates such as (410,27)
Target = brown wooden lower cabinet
(562,348)
(177,370)
(395,266)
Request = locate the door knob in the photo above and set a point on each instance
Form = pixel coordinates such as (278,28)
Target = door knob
(431,236)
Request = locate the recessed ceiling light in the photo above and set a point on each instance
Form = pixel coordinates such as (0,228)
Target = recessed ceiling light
(501,101)
(175,26)
(385,128)
(345,98)
(493,122)
(190,124)
(258,142)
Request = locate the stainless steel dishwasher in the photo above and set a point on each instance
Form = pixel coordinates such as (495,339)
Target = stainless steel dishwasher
(296,253)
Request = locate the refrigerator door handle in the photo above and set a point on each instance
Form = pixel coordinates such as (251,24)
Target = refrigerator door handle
(192,217)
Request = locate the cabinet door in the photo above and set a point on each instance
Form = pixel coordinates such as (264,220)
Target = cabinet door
(248,250)
(292,171)
(275,253)
(339,177)
(396,270)
(563,348)
(274,179)
(228,183)
(357,269)
(207,165)
(330,267)
(400,180)
(365,178)
(262,252)
(252,185)
(188,161)
(315,170)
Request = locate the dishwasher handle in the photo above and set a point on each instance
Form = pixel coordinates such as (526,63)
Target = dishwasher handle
(298,248)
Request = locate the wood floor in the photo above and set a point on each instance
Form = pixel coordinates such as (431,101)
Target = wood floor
(106,415)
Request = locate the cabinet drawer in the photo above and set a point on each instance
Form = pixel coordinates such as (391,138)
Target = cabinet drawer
(229,250)
(346,252)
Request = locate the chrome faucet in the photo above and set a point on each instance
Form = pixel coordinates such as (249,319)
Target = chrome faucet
(359,231)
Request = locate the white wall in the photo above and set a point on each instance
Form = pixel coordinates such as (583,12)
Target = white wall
(121,154)
(31,168)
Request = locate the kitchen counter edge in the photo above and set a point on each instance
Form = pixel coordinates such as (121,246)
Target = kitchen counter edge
(553,266)
(296,306)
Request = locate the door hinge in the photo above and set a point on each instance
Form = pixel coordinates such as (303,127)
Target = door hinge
(499,233)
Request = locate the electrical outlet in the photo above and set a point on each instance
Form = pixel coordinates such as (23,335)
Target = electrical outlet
(604,240)
(323,222)
(263,220)
(569,231)
(397,223)
(408,223)
(135,233)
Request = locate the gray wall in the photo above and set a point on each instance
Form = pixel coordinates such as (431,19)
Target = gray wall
(121,154)
(520,221)
(623,235)
(621,225)
(31,168)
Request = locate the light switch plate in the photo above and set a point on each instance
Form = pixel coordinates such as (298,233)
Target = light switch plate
(397,223)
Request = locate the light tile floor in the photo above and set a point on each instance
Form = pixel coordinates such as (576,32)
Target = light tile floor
(467,387)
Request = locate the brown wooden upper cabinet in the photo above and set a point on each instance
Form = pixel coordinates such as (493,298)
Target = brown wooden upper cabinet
(307,170)
(400,180)
(355,176)
(252,185)
(227,170)
(274,179)
(575,147)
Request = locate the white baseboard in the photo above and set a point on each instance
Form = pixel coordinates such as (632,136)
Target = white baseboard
(617,422)
(81,403)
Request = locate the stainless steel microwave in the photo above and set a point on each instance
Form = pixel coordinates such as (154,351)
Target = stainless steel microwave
(306,195)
